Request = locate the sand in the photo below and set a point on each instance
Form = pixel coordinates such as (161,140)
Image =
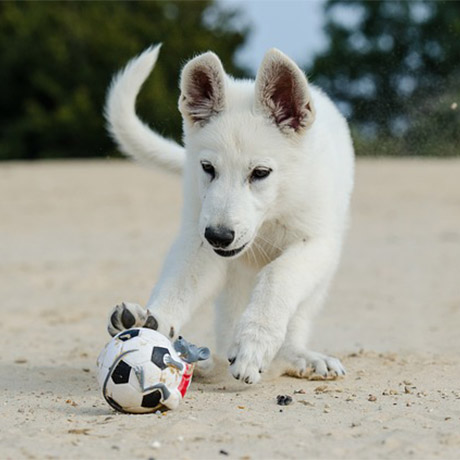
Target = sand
(78,237)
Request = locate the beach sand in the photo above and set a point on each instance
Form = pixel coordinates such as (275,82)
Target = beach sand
(78,237)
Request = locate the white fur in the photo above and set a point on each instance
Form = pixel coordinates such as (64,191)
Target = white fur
(291,223)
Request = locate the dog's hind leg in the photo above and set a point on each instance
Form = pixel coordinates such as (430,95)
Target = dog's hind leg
(294,357)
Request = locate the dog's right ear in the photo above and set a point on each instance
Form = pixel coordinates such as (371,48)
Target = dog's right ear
(202,89)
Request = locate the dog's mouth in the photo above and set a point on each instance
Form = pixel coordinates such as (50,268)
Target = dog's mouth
(229,253)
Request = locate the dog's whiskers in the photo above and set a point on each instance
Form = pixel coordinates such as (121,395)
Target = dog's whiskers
(262,251)
(253,254)
(269,243)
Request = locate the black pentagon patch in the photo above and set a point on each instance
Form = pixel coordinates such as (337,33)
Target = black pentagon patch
(157,358)
(129,334)
(152,399)
(121,373)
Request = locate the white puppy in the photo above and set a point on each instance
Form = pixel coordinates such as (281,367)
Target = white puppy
(268,173)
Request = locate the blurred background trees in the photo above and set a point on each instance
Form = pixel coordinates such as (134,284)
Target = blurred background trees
(57,59)
(393,67)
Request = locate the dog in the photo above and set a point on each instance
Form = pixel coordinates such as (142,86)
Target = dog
(268,170)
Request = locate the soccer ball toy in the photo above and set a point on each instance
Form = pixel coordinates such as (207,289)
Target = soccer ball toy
(140,371)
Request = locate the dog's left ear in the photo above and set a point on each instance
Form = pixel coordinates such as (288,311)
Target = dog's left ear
(282,93)
(202,89)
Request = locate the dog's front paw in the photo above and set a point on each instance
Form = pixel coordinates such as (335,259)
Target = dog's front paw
(251,354)
(127,315)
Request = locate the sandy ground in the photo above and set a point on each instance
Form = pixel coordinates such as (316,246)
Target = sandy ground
(78,237)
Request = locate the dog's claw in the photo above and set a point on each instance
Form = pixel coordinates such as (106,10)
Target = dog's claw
(128,315)
(113,323)
(249,355)
(127,318)
(151,323)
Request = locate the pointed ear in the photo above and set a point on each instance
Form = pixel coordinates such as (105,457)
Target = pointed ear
(202,89)
(282,93)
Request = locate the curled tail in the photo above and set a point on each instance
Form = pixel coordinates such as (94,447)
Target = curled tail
(134,137)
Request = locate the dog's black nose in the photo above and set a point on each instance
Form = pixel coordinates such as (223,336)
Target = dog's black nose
(219,237)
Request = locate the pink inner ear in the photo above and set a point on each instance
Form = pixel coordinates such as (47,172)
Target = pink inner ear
(200,87)
(202,95)
(286,97)
(288,106)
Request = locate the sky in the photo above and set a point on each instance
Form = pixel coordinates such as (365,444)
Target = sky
(293,26)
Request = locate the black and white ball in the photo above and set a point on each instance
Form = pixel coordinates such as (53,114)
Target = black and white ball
(130,364)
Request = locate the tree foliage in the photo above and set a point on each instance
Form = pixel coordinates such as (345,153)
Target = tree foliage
(57,59)
(394,68)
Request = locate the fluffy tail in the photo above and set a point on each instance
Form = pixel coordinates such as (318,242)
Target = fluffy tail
(134,137)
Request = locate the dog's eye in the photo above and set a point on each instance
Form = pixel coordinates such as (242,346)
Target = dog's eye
(208,168)
(259,174)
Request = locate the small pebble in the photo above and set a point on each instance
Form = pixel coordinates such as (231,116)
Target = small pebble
(283,400)
(155,444)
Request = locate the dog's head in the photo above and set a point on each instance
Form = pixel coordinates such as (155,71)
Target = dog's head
(239,137)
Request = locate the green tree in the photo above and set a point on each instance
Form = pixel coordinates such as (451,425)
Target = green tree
(57,59)
(393,66)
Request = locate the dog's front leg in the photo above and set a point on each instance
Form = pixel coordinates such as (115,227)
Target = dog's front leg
(192,275)
(281,286)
